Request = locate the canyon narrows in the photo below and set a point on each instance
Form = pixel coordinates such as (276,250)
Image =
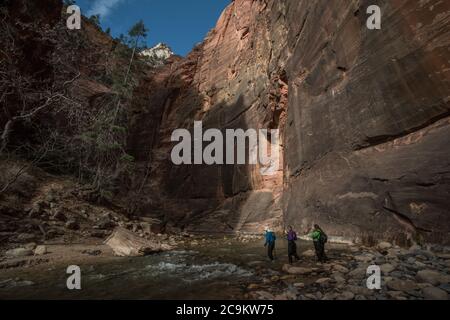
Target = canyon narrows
(90,119)
(363,115)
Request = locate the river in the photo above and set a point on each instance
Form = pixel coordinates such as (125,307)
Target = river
(214,269)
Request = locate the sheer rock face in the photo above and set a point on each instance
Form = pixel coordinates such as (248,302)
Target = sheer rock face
(367,138)
(363,114)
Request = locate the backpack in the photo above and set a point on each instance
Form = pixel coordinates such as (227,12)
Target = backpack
(324,237)
(270,237)
(293,234)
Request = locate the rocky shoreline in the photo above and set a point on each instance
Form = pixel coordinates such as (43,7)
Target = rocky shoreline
(407,274)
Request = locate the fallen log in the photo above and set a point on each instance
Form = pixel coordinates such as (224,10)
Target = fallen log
(127,244)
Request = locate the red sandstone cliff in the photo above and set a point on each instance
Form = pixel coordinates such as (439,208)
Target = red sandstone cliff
(363,116)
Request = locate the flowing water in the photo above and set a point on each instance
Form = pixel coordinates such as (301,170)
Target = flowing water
(214,269)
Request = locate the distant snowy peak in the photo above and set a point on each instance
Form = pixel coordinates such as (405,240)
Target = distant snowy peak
(158,54)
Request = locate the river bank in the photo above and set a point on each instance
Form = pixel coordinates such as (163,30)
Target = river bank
(227,267)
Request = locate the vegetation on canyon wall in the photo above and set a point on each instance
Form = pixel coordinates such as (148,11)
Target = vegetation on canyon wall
(44,118)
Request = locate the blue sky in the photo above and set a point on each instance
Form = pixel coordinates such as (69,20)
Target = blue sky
(179,23)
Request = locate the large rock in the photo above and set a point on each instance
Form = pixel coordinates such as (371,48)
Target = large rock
(126,243)
(433,277)
(402,285)
(19,252)
(297,270)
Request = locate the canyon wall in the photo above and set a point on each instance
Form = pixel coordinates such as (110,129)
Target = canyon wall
(363,115)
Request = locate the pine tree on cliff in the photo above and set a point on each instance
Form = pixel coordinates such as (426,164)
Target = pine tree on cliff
(136,32)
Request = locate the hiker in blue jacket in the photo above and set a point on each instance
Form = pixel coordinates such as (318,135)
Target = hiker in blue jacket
(270,242)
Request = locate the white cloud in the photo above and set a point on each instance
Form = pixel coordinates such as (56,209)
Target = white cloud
(103,7)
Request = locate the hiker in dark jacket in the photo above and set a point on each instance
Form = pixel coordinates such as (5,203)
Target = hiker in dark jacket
(320,238)
(270,242)
(292,246)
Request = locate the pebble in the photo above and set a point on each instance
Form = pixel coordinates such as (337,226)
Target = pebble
(338,277)
(40,250)
(253,286)
(323,281)
(387,268)
(433,293)
(364,258)
(329,296)
(310,296)
(445,287)
(340,268)
(384,245)
(309,253)
(264,295)
(347,295)
(358,273)
(411,260)
(433,277)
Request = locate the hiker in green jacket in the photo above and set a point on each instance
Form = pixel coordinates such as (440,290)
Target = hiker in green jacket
(320,238)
